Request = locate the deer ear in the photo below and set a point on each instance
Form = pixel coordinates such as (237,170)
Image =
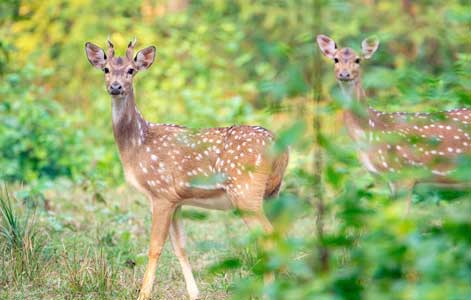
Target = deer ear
(369,47)
(96,56)
(327,45)
(144,58)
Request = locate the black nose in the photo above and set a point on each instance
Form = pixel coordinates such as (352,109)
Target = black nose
(115,88)
(344,75)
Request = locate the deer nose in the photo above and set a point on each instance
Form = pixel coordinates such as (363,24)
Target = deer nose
(115,88)
(344,75)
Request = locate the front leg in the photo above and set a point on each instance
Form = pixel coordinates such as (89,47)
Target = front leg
(162,212)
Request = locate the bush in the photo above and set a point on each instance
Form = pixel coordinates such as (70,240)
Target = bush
(37,140)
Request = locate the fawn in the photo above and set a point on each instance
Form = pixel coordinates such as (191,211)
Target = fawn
(393,142)
(174,166)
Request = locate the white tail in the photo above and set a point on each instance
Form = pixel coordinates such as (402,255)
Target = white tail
(393,142)
(218,168)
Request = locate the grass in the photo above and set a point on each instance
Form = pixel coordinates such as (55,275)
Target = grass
(21,241)
(86,249)
(83,247)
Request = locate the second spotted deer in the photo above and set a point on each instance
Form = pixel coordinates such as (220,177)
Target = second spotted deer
(218,168)
(432,143)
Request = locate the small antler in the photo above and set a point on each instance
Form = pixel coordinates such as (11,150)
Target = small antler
(130,50)
(110,47)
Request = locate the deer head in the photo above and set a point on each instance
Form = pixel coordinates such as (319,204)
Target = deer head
(346,60)
(120,71)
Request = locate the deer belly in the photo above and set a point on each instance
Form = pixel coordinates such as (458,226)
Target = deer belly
(221,202)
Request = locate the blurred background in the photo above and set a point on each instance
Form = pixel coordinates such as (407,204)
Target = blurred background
(72,229)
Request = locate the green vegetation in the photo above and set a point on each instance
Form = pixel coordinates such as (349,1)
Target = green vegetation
(71,229)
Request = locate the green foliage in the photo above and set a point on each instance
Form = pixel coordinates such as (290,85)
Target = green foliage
(41,142)
(372,254)
(35,136)
(221,63)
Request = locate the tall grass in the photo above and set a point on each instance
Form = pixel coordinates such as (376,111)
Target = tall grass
(88,273)
(20,242)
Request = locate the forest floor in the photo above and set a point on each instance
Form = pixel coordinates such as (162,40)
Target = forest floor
(86,247)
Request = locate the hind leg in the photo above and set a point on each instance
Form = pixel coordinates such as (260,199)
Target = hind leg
(177,237)
(255,220)
(248,196)
(248,199)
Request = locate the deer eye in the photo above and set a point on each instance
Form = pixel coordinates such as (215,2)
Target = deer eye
(357,61)
(130,71)
(106,70)
(336,60)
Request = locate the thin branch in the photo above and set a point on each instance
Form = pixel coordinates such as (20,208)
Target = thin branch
(318,153)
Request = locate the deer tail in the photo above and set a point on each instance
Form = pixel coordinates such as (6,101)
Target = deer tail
(276,178)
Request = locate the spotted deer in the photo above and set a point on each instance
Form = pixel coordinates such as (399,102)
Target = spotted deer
(392,143)
(215,168)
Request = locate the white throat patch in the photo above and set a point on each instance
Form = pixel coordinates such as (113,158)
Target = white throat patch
(118,107)
(348,89)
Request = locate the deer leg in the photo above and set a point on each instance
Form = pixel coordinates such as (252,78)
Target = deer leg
(162,212)
(258,220)
(254,218)
(392,189)
(248,198)
(178,242)
(408,187)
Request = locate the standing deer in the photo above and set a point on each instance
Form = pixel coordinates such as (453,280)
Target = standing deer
(393,142)
(216,168)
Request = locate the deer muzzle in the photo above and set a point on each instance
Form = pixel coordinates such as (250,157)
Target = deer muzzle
(115,88)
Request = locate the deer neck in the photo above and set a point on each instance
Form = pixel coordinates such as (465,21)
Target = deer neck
(356,116)
(129,126)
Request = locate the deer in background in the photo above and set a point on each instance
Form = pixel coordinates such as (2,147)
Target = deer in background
(174,166)
(390,143)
